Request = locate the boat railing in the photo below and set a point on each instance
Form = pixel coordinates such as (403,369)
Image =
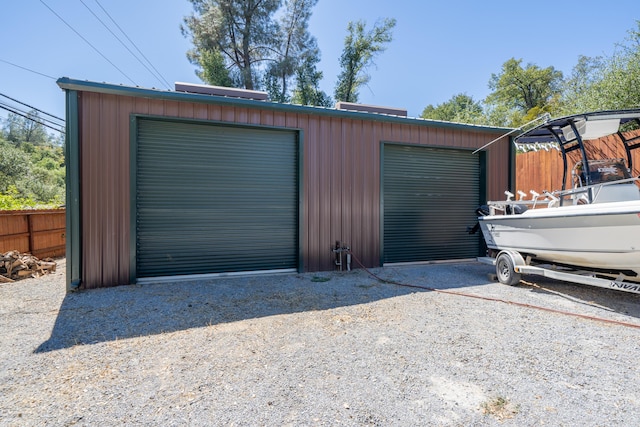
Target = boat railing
(578,195)
(515,207)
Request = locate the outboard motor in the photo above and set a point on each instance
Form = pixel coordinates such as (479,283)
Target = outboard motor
(482,210)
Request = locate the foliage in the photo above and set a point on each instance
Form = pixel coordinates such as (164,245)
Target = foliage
(307,90)
(293,44)
(20,129)
(360,47)
(266,44)
(32,172)
(607,83)
(10,200)
(242,32)
(252,43)
(518,90)
(461,108)
(501,408)
(214,70)
(599,83)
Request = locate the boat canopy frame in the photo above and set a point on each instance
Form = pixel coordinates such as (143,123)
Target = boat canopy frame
(571,132)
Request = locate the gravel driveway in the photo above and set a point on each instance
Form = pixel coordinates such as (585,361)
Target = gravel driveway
(321,349)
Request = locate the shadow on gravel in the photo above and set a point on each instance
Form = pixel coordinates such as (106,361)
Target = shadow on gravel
(607,299)
(99,315)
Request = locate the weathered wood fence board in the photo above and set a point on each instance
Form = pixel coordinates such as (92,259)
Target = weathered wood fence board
(38,232)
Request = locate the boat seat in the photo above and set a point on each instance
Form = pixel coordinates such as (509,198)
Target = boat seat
(515,209)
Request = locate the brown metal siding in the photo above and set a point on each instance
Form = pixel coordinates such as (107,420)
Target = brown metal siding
(341,179)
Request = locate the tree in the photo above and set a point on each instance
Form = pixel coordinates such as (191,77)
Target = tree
(360,47)
(517,90)
(19,129)
(30,174)
(14,165)
(584,75)
(307,90)
(241,32)
(293,44)
(608,83)
(460,108)
(213,69)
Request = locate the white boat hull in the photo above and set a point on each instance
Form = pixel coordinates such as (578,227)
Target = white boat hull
(603,236)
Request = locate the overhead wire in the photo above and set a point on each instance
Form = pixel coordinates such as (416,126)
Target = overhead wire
(13,110)
(54,122)
(122,43)
(32,107)
(31,116)
(28,69)
(88,42)
(133,44)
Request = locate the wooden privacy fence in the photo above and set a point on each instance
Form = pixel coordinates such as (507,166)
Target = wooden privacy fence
(38,232)
(542,170)
(538,171)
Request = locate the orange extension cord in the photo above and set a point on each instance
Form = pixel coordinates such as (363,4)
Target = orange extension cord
(520,304)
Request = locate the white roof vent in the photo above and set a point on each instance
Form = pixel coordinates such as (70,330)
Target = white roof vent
(230,92)
(371,109)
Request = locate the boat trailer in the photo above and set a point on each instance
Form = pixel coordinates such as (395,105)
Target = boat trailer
(511,265)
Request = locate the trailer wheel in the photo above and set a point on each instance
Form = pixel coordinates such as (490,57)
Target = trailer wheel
(505,270)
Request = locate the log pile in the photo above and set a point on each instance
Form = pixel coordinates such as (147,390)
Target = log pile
(16,266)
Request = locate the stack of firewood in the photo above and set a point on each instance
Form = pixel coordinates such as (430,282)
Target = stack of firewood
(15,266)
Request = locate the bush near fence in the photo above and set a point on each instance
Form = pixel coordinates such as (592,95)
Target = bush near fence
(38,232)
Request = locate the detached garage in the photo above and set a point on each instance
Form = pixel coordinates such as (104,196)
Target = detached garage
(163,183)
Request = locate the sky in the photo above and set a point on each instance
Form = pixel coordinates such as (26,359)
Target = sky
(439,48)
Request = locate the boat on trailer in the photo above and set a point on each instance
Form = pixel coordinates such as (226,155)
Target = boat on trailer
(586,232)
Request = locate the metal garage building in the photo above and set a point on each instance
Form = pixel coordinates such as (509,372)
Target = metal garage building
(163,183)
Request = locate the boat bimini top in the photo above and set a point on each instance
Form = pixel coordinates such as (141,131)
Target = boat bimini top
(571,132)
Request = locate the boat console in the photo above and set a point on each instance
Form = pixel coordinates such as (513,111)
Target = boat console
(602,176)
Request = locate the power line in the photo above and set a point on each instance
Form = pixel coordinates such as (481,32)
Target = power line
(12,110)
(56,124)
(32,116)
(33,108)
(134,45)
(122,43)
(87,41)
(28,69)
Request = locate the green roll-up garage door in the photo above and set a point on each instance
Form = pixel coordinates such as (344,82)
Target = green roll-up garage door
(213,199)
(429,198)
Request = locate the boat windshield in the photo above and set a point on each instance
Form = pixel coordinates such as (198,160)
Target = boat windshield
(601,171)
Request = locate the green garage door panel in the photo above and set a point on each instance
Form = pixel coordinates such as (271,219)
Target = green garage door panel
(429,197)
(213,199)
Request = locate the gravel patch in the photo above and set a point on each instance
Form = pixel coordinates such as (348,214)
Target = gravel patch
(319,349)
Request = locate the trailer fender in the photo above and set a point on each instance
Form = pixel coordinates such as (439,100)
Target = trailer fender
(507,267)
(517,259)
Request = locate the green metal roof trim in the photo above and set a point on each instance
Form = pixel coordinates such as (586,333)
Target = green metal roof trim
(113,89)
